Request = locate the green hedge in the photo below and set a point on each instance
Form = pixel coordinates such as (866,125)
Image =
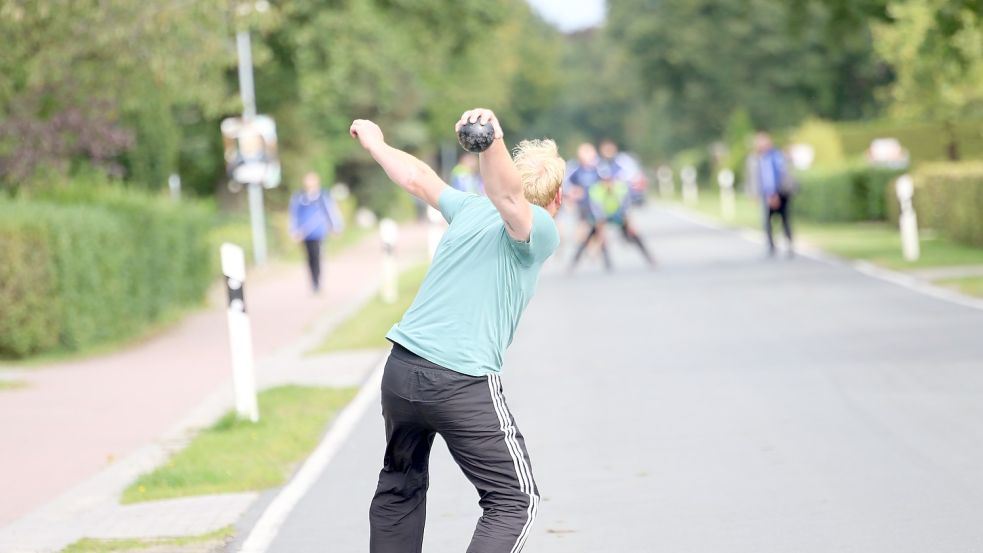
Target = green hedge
(855,193)
(949,199)
(82,267)
(925,141)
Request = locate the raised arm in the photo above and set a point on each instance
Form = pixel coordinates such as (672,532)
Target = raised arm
(411,174)
(502,183)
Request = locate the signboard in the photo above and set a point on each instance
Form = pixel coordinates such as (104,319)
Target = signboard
(251,155)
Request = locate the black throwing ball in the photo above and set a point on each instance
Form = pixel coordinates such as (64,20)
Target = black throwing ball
(475,137)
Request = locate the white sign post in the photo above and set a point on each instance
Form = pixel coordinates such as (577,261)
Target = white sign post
(907,220)
(174,185)
(240,333)
(691,194)
(435,231)
(728,206)
(389,232)
(664,176)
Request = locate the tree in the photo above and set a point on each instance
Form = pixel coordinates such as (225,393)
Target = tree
(706,58)
(101,80)
(936,50)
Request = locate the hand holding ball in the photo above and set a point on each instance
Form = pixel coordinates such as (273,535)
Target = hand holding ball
(476,137)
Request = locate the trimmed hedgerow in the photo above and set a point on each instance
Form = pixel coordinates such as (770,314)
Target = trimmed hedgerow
(75,274)
(854,193)
(949,199)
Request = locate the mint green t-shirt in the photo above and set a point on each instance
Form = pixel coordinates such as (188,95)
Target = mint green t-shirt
(480,281)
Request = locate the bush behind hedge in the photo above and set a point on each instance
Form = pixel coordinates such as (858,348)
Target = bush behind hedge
(84,266)
(926,141)
(949,199)
(853,193)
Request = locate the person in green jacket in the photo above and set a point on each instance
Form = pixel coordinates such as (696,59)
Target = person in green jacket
(609,202)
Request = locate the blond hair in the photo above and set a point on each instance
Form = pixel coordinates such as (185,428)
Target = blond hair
(541,170)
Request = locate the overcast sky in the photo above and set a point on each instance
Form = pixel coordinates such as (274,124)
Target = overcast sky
(570,15)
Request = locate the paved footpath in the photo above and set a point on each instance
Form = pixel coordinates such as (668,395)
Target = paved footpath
(722,403)
(76,418)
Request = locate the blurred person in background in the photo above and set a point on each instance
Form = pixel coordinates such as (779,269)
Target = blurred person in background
(625,168)
(772,183)
(610,199)
(465,176)
(313,214)
(580,178)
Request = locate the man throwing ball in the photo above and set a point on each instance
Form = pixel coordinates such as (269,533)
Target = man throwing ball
(442,376)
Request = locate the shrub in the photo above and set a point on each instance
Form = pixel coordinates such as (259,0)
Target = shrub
(926,141)
(949,199)
(29,319)
(855,193)
(84,266)
(823,137)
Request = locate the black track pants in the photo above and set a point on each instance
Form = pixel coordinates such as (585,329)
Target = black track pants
(419,401)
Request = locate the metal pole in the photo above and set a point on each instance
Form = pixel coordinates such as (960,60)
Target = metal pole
(248,94)
(246,90)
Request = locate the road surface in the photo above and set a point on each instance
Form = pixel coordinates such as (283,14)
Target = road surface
(725,402)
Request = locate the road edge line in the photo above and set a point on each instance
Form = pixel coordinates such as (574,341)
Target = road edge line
(268,526)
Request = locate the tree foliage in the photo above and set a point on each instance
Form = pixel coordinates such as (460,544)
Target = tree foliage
(711,57)
(97,81)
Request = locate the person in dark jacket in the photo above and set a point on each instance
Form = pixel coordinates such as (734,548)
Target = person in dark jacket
(313,214)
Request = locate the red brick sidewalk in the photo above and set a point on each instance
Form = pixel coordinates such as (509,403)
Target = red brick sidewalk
(76,416)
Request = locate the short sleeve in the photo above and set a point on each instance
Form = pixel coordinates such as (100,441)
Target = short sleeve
(543,239)
(451,201)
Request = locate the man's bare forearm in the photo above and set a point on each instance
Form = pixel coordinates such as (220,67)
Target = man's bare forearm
(501,179)
(408,172)
(503,185)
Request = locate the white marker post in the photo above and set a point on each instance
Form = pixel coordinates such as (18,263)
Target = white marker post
(436,230)
(240,333)
(728,206)
(691,194)
(389,233)
(907,220)
(174,185)
(664,176)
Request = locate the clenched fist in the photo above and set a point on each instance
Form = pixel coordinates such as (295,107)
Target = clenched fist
(368,133)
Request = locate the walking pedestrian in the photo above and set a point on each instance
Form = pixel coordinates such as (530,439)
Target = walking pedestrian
(313,214)
(774,188)
(443,374)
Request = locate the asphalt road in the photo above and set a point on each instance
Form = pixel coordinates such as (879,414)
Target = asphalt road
(723,403)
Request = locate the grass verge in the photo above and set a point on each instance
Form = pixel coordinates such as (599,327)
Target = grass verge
(367,328)
(235,455)
(90,545)
(12,385)
(971,286)
(876,242)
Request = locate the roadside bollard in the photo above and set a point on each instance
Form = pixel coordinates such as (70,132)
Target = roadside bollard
(664,176)
(240,333)
(389,233)
(691,194)
(907,219)
(728,207)
(174,185)
(435,231)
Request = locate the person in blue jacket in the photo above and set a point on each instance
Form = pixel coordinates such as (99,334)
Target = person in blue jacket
(313,214)
(773,187)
